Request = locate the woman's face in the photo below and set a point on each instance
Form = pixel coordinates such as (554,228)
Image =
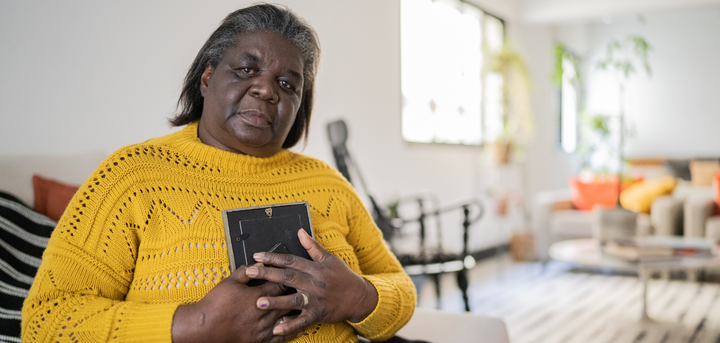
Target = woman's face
(252,97)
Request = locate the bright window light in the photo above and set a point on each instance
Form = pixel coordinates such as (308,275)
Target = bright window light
(441,66)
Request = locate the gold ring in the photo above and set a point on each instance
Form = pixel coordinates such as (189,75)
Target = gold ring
(305,300)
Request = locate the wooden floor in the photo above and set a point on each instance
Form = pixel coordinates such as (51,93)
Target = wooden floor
(560,304)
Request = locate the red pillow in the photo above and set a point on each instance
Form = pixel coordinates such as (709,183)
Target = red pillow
(717,193)
(601,191)
(52,197)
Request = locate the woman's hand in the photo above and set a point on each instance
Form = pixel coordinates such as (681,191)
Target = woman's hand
(328,291)
(228,313)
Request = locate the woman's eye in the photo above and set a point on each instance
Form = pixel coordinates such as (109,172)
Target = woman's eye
(247,70)
(286,84)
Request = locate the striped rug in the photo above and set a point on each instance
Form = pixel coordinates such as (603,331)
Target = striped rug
(564,306)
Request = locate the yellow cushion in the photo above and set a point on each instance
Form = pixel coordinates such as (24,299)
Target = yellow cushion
(639,196)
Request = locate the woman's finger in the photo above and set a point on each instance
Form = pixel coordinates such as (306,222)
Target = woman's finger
(316,251)
(240,275)
(281,260)
(296,301)
(295,325)
(287,277)
(272,289)
(285,338)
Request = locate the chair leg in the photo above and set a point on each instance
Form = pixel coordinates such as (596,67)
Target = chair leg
(436,279)
(462,281)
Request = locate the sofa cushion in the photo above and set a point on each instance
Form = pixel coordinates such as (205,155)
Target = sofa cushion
(716,189)
(51,196)
(600,192)
(680,168)
(702,171)
(639,197)
(24,234)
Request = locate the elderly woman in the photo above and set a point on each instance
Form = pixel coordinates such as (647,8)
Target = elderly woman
(140,253)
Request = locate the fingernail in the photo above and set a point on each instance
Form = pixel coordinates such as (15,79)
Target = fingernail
(258,256)
(262,303)
(252,272)
(277,330)
(304,232)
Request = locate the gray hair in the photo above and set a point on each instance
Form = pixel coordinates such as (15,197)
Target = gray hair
(260,17)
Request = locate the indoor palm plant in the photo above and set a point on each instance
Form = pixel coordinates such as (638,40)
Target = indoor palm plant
(623,58)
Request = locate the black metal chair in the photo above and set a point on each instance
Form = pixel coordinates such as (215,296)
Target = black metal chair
(430,262)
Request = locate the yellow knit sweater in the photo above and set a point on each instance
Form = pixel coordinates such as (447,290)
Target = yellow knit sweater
(144,234)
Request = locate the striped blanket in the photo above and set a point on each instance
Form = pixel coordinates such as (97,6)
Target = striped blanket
(24,234)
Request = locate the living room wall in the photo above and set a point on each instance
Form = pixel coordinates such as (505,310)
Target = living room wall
(674,113)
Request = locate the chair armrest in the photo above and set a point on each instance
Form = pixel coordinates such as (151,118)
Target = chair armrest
(666,215)
(712,228)
(543,205)
(445,327)
(696,211)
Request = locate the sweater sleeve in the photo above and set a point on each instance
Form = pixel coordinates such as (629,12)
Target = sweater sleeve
(79,291)
(396,292)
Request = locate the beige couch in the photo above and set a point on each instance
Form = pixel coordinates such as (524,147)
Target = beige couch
(554,219)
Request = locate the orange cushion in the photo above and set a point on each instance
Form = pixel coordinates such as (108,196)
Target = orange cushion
(602,192)
(717,192)
(52,197)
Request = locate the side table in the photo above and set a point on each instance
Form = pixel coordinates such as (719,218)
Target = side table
(588,253)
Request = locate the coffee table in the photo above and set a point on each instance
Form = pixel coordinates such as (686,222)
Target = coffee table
(588,253)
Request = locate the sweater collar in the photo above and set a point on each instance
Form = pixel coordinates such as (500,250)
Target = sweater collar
(187,141)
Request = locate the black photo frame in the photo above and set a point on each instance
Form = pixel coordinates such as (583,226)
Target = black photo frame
(262,228)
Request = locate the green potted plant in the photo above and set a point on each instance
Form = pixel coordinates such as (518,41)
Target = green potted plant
(517,118)
(623,58)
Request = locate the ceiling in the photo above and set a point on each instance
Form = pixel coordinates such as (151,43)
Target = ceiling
(550,11)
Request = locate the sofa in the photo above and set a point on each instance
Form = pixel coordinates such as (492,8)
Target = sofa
(555,218)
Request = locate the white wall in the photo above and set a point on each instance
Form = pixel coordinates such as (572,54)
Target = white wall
(676,111)
(81,76)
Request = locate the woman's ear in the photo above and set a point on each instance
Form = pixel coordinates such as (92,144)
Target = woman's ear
(204,79)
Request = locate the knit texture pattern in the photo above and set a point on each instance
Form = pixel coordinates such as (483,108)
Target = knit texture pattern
(144,234)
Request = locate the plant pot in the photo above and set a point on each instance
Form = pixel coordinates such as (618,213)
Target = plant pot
(502,151)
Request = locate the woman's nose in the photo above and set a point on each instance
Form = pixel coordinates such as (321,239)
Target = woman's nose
(264,88)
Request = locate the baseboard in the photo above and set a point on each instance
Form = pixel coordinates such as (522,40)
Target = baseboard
(490,252)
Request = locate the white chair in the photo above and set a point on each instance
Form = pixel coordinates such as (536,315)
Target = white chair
(445,327)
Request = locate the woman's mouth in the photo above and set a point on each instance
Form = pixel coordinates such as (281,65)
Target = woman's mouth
(255,118)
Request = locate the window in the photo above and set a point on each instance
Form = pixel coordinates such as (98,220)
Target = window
(442,44)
